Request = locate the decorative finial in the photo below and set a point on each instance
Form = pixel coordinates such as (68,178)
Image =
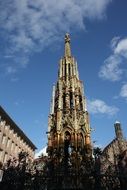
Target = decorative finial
(67,45)
(67,38)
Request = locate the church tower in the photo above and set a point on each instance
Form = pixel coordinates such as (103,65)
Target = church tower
(119,136)
(68,125)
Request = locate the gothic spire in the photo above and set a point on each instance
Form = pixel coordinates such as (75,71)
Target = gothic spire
(67,45)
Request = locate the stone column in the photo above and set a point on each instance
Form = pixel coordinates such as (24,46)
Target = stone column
(75,135)
(60,101)
(52,101)
(87,139)
(63,68)
(76,68)
(49,142)
(70,69)
(61,141)
(60,68)
(67,68)
(83,98)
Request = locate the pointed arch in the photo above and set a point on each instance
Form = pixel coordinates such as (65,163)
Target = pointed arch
(81,131)
(67,128)
(80,138)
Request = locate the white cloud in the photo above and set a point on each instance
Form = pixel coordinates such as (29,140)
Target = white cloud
(112,68)
(114,42)
(121,48)
(30,25)
(123,92)
(42,151)
(100,107)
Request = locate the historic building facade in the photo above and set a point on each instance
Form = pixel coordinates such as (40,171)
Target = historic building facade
(68,126)
(12,139)
(115,149)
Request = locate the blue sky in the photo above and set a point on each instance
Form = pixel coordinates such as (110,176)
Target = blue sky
(31,44)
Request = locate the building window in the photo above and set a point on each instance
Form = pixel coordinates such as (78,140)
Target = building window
(8,142)
(19,150)
(12,147)
(6,127)
(5,157)
(4,139)
(19,139)
(2,124)
(1,155)
(16,149)
(16,136)
(11,131)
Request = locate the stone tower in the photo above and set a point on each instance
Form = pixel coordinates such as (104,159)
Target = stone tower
(68,125)
(119,136)
(118,130)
